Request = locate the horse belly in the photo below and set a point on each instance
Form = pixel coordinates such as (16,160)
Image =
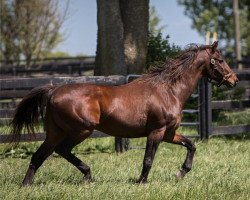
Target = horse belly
(129,128)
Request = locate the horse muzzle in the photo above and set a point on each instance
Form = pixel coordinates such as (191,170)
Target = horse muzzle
(231,81)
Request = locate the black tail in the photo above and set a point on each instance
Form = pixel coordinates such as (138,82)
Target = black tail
(28,111)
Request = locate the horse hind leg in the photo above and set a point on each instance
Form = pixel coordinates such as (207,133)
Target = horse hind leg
(53,137)
(43,152)
(183,141)
(64,149)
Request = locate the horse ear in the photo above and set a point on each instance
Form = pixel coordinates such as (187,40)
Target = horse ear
(214,46)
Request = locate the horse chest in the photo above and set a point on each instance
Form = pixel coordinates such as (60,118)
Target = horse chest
(165,115)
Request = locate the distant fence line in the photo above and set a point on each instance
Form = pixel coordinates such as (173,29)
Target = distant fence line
(65,65)
(245,62)
(15,88)
(60,65)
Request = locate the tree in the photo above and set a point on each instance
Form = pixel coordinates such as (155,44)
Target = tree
(154,22)
(8,33)
(217,16)
(159,47)
(29,28)
(110,58)
(57,54)
(122,36)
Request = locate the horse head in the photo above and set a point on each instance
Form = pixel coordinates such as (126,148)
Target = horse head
(217,69)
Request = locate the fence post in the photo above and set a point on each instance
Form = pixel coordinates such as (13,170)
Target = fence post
(122,144)
(118,145)
(202,109)
(208,91)
(205,109)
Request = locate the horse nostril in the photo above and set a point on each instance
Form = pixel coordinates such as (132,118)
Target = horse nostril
(236,81)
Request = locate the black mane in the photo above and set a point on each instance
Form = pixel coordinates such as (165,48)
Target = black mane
(172,69)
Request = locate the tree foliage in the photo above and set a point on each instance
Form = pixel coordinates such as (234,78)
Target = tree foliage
(154,22)
(159,49)
(217,16)
(29,29)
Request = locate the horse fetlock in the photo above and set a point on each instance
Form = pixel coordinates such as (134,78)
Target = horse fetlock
(193,148)
(85,169)
(180,174)
(186,167)
(142,180)
(183,171)
(87,178)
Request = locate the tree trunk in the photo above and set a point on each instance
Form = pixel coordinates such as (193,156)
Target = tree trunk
(110,49)
(135,17)
(122,36)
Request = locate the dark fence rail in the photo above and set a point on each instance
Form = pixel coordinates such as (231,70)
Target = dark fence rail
(67,65)
(207,106)
(245,62)
(14,89)
(70,66)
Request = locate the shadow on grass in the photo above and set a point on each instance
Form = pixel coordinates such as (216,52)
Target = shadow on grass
(236,137)
(81,182)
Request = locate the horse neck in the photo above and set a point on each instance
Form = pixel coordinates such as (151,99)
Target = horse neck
(185,86)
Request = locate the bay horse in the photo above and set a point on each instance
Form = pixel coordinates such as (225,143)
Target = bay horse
(150,106)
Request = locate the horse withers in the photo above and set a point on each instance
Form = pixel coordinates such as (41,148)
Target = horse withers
(150,106)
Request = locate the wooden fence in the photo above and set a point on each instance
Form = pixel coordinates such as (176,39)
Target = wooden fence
(207,106)
(72,66)
(12,90)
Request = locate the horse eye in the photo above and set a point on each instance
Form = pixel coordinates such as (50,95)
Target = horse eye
(221,61)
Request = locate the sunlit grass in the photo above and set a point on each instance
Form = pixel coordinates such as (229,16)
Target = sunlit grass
(234,118)
(220,171)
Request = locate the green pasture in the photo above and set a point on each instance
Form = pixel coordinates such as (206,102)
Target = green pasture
(221,170)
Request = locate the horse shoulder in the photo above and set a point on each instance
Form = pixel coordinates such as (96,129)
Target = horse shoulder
(165,110)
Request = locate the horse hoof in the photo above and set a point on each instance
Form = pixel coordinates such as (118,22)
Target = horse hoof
(180,174)
(25,184)
(142,181)
(87,179)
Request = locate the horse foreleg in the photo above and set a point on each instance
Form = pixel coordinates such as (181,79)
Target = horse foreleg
(150,151)
(183,141)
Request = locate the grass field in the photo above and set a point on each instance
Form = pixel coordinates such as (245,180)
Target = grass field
(221,171)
